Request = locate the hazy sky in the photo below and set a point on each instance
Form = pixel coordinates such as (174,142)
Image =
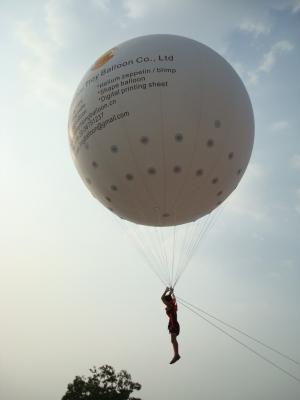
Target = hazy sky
(74,292)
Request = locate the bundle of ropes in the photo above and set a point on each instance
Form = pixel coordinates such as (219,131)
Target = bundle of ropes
(168,251)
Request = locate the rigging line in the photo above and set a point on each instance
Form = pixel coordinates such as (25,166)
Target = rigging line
(160,249)
(206,228)
(160,238)
(193,243)
(149,239)
(174,228)
(138,238)
(131,231)
(142,250)
(199,231)
(210,223)
(267,360)
(187,229)
(198,227)
(138,201)
(163,147)
(190,239)
(160,229)
(179,194)
(159,267)
(145,240)
(164,163)
(203,232)
(147,233)
(149,261)
(173,255)
(243,333)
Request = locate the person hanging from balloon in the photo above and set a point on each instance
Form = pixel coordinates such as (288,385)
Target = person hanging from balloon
(168,298)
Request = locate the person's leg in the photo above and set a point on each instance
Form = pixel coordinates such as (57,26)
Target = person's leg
(174,343)
(175,347)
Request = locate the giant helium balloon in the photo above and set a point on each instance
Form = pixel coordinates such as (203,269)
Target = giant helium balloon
(161,130)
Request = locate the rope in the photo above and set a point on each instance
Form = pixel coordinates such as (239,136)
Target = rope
(136,233)
(204,229)
(173,253)
(142,250)
(199,230)
(243,333)
(267,360)
(163,242)
(187,230)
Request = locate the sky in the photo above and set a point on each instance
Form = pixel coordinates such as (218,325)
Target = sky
(74,291)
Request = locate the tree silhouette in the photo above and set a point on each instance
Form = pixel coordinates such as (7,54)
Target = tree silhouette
(103,384)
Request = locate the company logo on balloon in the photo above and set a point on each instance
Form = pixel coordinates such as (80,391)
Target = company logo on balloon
(103,59)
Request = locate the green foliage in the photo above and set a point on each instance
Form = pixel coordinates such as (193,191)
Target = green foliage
(103,384)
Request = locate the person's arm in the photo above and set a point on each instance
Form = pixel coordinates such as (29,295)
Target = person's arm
(172,294)
(164,295)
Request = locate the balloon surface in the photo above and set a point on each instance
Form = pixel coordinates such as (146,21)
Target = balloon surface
(161,130)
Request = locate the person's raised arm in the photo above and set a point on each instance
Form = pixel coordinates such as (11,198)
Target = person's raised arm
(163,297)
(172,293)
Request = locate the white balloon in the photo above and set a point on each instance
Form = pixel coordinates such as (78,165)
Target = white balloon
(161,130)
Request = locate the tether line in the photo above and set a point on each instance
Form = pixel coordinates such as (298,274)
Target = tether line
(242,332)
(241,343)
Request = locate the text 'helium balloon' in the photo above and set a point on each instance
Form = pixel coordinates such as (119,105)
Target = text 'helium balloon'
(161,130)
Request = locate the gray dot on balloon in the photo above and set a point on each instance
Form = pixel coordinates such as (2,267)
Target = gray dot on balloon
(199,172)
(230,156)
(151,171)
(114,188)
(108,199)
(114,148)
(179,137)
(210,143)
(144,139)
(129,177)
(166,215)
(88,181)
(177,169)
(215,180)
(94,164)
(217,123)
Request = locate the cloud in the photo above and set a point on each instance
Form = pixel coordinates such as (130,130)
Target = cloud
(268,60)
(288,264)
(296,6)
(270,57)
(67,26)
(256,28)
(38,64)
(295,161)
(248,198)
(279,126)
(55,23)
(102,4)
(135,9)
